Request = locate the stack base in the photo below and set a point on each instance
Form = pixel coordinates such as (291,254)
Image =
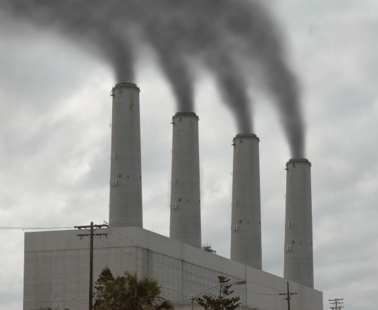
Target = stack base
(56,271)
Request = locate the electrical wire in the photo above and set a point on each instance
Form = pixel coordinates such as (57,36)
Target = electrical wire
(158,256)
(137,258)
(32,228)
(129,241)
(170,264)
(163,271)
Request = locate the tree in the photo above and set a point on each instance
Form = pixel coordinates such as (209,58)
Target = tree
(128,292)
(209,302)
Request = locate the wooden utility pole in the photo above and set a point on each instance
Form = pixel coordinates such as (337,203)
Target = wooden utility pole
(288,295)
(91,234)
(335,302)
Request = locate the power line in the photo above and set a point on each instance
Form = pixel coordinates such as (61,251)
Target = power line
(129,242)
(23,228)
(156,255)
(159,257)
(168,272)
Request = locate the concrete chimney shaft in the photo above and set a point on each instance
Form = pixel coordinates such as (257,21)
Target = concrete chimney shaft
(246,206)
(298,258)
(185,223)
(125,207)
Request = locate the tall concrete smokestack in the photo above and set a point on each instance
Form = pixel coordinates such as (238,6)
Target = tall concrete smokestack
(125,207)
(246,209)
(298,261)
(185,224)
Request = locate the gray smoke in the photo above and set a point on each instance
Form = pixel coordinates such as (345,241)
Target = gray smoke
(220,34)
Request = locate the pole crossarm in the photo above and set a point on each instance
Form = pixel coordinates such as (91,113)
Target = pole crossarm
(94,226)
(86,235)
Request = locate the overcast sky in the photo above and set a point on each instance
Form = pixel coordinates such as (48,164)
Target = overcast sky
(55,144)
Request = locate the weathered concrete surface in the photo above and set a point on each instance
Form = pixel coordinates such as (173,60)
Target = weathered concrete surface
(56,273)
(298,258)
(125,204)
(185,222)
(246,205)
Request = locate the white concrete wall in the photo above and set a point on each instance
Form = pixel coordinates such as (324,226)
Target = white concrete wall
(57,270)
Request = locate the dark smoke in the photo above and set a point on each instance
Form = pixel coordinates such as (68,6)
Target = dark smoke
(221,34)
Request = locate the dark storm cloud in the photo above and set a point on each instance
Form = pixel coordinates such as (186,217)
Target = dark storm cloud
(212,32)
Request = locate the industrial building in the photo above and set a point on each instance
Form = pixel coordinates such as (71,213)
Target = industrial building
(56,273)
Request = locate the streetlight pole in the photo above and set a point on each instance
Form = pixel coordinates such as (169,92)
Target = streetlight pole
(192,298)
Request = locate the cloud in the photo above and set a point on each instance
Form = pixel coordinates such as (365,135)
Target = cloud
(54,144)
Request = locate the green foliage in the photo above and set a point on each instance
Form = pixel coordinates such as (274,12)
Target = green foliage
(223,302)
(128,292)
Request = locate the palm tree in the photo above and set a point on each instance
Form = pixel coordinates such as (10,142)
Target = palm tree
(128,292)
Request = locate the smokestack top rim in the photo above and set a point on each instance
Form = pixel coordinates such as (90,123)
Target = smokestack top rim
(246,135)
(298,160)
(126,85)
(192,114)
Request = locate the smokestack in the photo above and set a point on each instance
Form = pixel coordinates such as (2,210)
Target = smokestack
(298,261)
(246,213)
(125,207)
(185,224)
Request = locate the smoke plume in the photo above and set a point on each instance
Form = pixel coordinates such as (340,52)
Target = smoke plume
(220,34)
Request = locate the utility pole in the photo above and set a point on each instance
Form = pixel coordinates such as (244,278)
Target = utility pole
(288,294)
(91,234)
(335,302)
